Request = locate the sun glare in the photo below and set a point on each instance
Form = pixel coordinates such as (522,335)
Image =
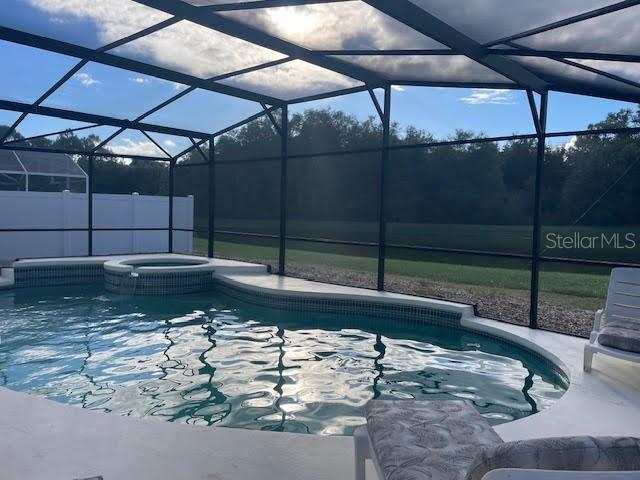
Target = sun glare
(292,21)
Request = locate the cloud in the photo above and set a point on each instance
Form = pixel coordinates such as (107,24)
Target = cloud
(178,86)
(571,143)
(194,49)
(436,68)
(114,19)
(86,79)
(169,143)
(496,96)
(140,80)
(478,18)
(293,79)
(328,26)
(131,147)
(397,88)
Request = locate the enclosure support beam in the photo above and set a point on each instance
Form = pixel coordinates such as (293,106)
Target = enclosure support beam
(212,197)
(98,119)
(537,207)
(425,23)
(105,58)
(284,138)
(384,160)
(172,171)
(90,161)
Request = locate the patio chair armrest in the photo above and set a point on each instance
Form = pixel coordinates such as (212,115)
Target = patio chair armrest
(597,323)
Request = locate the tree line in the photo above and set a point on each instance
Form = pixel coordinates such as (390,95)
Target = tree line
(592,180)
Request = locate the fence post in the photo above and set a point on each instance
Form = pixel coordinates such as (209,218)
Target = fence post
(284,134)
(172,167)
(212,198)
(537,207)
(66,223)
(384,160)
(90,206)
(134,221)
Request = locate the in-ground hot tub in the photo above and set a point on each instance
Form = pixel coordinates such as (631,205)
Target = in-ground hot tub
(158,275)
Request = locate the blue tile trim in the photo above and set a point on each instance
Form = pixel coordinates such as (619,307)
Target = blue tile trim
(344,306)
(161,283)
(49,275)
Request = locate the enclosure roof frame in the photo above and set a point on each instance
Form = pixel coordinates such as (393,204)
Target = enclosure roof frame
(496,55)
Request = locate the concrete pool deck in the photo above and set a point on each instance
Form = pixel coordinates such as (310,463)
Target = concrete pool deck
(40,439)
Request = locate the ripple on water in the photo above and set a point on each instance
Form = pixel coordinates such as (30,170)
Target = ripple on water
(206,359)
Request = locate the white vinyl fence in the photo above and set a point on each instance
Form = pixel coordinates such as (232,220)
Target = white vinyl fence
(29,210)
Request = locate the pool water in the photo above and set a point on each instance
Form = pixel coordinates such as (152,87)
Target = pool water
(212,360)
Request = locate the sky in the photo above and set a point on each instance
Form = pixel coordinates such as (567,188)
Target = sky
(119,93)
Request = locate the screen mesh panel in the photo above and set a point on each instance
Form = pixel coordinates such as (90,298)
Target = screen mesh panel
(12,182)
(349,122)
(115,92)
(260,250)
(570,295)
(465,197)
(145,177)
(89,23)
(626,70)
(615,32)
(584,110)
(50,244)
(434,68)
(133,142)
(568,76)
(334,26)
(291,80)
(82,141)
(34,125)
(50,163)
(55,183)
(29,72)
(334,197)
(490,20)
(257,139)
(590,189)
(9,162)
(203,110)
(427,114)
(248,197)
(354,266)
(192,181)
(190,48)
(498,287)
(171,143)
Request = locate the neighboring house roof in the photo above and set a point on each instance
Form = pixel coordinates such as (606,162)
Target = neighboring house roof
(39,163)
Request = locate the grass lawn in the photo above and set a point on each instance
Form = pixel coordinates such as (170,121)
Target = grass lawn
(572,287)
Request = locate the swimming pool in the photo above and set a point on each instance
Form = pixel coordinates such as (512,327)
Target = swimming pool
(209,359)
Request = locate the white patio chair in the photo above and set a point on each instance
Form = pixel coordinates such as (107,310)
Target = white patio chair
(616,329)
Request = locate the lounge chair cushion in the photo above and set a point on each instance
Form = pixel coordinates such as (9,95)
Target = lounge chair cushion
(621,335)
(564,453)
(434,440)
